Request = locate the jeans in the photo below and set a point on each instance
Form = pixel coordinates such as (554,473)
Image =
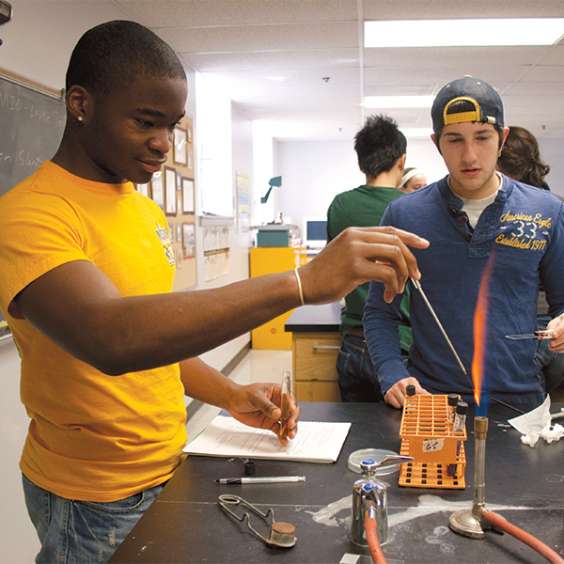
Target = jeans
(74,532)
(357,377)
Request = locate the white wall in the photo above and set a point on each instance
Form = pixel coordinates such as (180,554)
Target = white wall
(314,172)
(552,153)
(240,242)
(39,40)
(263,167)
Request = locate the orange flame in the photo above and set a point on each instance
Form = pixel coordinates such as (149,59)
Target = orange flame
(480,330)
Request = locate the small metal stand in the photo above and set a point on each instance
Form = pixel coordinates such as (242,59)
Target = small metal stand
(468,522)
(281,534)
(465,523)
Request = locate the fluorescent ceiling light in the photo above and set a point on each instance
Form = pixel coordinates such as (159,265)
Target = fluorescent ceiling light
(384,102)
(463,32)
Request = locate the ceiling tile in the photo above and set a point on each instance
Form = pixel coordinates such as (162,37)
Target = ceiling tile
(261,38)
(272,62)
(209,13)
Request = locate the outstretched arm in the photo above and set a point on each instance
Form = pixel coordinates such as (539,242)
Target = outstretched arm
(78,307)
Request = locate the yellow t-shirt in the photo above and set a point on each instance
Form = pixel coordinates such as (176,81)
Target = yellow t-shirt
(92,436)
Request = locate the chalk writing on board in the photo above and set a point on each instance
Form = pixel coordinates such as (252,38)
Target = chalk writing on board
(32,124)
(14,103)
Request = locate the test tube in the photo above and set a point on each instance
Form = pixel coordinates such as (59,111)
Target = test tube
(452,401)
(460,417)
(285,399)
(457,427)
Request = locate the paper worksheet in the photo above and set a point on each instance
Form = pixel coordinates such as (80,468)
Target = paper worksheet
(315,442)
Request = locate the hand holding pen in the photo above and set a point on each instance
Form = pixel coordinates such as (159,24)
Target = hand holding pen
(260,406)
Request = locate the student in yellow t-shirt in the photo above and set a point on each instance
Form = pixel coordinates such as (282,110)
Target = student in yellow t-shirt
(107,350)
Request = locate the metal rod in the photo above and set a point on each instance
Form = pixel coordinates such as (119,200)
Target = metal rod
(508,405)
(439,325)
(480,434)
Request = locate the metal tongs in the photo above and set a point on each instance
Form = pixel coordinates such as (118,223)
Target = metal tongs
(393,459)
(281,534)
(540,335)
(418,287)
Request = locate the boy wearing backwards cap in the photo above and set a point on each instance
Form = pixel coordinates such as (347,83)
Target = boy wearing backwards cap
(467,216)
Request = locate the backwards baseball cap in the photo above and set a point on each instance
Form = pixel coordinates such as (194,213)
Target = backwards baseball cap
(465,100)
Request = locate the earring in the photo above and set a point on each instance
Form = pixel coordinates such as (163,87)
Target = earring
(80,119)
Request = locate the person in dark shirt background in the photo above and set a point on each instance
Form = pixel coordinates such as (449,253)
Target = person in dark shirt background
(380,148)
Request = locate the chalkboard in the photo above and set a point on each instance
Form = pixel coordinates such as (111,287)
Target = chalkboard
(31,127)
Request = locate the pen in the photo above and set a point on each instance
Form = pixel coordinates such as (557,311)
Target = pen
(260,480)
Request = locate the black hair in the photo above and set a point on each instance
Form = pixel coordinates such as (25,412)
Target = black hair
(520,158)
(378,145)
(118,52)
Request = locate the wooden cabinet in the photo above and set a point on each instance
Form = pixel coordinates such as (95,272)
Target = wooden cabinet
(314,359)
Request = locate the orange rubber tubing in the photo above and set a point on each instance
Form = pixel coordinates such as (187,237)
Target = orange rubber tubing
(371,530)
(502,523)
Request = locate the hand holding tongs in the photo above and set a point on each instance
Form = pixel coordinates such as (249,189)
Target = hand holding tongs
(540,335)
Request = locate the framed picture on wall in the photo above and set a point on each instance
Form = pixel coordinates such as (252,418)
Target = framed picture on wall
(190,157)
(188,240)
(189,130)
(144,189)
(179,149)
(170,190)
(187,195)
(157,189)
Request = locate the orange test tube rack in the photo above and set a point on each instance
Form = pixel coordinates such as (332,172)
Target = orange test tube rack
(426,435)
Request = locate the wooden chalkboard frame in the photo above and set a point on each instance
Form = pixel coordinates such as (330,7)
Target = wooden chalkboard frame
(32,85)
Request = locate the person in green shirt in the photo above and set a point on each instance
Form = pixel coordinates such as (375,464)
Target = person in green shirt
(380,147)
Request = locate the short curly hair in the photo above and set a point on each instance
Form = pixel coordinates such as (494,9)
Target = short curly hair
(118,52)
(378,145)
